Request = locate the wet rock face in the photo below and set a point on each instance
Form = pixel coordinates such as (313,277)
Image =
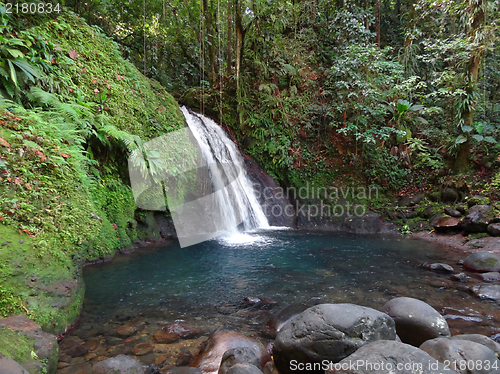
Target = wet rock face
(390,357)
(242,355)
(493,229)
(210,359)
(329,332)
(482,262)
(464,353)
(415,320)
(174,331)
(120,364)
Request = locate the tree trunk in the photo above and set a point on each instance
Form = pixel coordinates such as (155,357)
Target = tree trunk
(477,15)
(211,46)
(378,23)
(229,28)
(240,35)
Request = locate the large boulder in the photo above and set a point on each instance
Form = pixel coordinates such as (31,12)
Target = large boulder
(463,356)
(415,320)
(209,360)
(120,364)
(387,356)
(329,332)
(282,317)
(240,355)
(482,262)
(9,366)
(481,339)
(478,218)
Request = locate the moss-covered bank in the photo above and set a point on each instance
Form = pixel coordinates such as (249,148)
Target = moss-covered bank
(65,138)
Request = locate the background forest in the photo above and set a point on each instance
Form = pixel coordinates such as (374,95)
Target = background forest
(396,94)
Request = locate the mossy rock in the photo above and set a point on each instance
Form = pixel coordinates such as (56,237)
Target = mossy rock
(482,262)
(477,200)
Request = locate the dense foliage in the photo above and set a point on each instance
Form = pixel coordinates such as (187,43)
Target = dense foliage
(72,111)
(386,93)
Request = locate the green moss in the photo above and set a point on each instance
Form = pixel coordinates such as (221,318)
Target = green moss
(65,191)
(15,346)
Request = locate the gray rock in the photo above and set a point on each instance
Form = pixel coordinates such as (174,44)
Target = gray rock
(463,355)
(482,262)
(439,267)
(120,364)
(491,276)
(415,320)
(278,320)
(329,332)
(243,369)
(452,212)
(9,366)
(460,277)
(490,292)
(478,218)
(493,229)
(209,361)
(386,356)
(241,355)
(481,339)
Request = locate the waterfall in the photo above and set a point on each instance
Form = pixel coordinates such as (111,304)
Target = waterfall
(235,196)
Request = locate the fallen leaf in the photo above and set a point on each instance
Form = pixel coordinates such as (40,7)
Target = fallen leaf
(4,143)
(72,54)
(94,81)
(65,155)
(96,91)
(70,90)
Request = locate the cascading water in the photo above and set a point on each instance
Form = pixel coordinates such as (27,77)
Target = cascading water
(234,190)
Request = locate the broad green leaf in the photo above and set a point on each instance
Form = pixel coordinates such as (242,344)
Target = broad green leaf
(13,75)
(461,139)
(478,137)
(16,53)
(467,128)
(415,108)
(490,139)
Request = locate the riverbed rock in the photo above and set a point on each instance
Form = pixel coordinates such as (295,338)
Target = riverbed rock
(279,319)
(438,267)
(142,349)
(452,212)
(415,320)
(173,332)
(482,262)
(126,330)
(481,339)
(460,277)
(9,366)
(493,229)
(477,219)
(447,224)
(489,292)
(387,354)
(240,355)
(477,200)
(465,353)
(492,276)
(210,359)
(329,332)
(120,364)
